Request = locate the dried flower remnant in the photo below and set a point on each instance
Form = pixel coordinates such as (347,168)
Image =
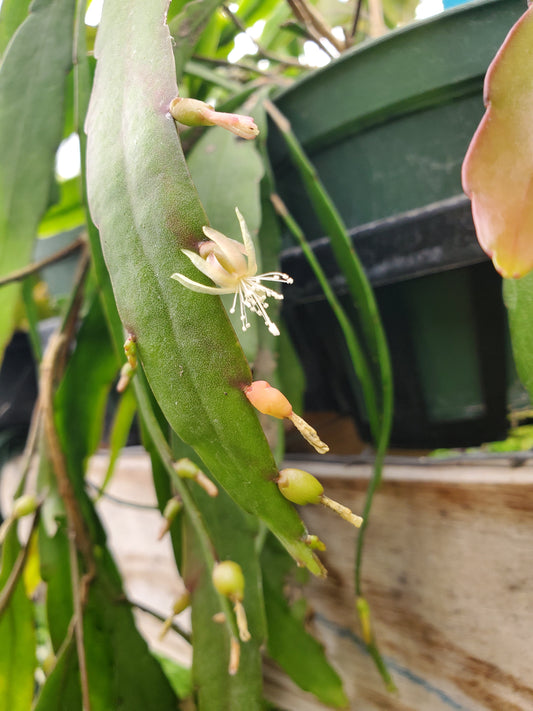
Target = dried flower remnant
(233,268)
(192,112)
(270,401)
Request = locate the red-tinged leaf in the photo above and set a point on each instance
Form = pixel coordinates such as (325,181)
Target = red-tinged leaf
(498,168)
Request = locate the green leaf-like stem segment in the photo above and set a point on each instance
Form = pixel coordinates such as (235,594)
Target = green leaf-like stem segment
(33,77)
(147,210)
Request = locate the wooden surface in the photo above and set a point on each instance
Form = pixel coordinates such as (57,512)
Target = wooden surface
(448,574)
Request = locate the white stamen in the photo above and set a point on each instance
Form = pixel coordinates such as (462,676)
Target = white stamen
(235,276)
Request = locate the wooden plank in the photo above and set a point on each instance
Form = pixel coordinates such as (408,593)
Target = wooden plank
(447,571)
(448,575)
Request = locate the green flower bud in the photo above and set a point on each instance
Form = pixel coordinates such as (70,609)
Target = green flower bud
(186,469)
(172,509)
(24,505)
(229,580)
(300,487)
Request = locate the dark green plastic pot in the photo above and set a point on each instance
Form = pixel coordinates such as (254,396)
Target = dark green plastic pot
(387,127)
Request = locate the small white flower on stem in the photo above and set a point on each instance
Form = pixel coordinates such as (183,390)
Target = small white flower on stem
(233,268)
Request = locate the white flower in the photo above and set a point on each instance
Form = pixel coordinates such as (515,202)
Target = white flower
(233,268)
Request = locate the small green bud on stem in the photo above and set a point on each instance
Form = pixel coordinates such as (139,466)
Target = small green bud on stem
(182,603)
(188,470)
(303,488)
(299,486)
(126,374)
(228,579)
(24,505)
(128,369)
(314,542)
(130,349)
(192,112)
(171,510)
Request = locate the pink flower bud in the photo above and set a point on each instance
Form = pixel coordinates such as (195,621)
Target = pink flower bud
(268,400)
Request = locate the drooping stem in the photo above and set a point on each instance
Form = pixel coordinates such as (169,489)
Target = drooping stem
(37,266)
(78,599)
(265,53)
(380,392)
(357,354)
(18,567)
(52,367)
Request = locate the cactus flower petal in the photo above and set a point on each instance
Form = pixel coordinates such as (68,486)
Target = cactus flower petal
(233,268)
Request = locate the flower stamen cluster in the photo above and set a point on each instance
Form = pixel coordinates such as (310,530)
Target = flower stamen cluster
(232,266)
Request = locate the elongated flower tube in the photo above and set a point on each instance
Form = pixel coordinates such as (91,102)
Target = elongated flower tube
(233,268)
(270,401)
(192,112)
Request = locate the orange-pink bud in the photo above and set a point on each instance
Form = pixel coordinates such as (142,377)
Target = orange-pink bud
(268,400)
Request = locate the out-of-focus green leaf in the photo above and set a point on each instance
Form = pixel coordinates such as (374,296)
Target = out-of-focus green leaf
(227,173)
(17,636)
(163,488)
(120,430)
(289,643)
(221,161)
(518,295)
(32,87)
(291,373)
(61,690)
(180,677)
(12,15)
(122,673)
(186,28)
(67,213)
(249,11)
(55,571)
(234,534)
(217,690)
(147,209)
(498,166)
